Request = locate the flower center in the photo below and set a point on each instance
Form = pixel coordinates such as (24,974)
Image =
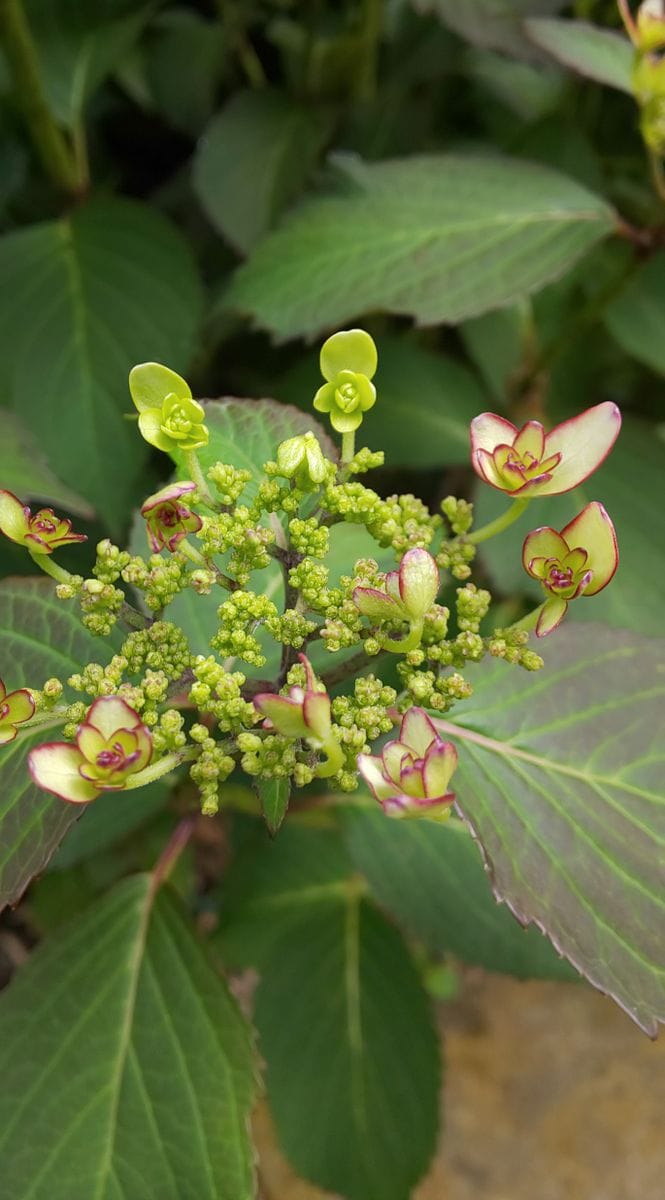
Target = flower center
(177,421)
(44,525)
(115,759)
(559,577)
(347,397)
(167,515)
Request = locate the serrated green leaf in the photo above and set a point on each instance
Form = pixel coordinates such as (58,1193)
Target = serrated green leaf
(274,798)
(493,24)
(425,403)
(599,54)
(254,159)
(25,471)
(344,1023)
(126,1065)
(637,317)
(439,238)
(626,484)
(561,780)
(85,298)
(431,878)
(78,45)
(39,637)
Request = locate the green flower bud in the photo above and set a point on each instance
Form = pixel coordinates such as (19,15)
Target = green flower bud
(301,458)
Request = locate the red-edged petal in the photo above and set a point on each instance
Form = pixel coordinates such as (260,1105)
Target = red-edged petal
(583,443)
(417,732)
(543,543)
(395,756)
(371,770)
(484,465)
(110,713)
(20,706)
(55,768)
(316,711)
(7,734)
(593,531)
(530,440)
(489,431)
(551,615)
(375,605)
(440,765)
(284,714)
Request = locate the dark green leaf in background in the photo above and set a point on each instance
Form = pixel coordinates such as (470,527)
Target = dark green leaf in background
(561,778)
(637,317)
(184,61)
(39,637)
(344,1024)
(127,1069)
(494,24)
(438,238)
(84,299)
(24,470)
(79,44)
(626,484)
(430,878)
(599,54)
(253,160)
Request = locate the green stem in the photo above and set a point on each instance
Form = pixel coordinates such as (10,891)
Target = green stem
(161,767)
(348,446)
(49,141)
(503,522)
(44,720)
(334,759)
(365,83)
(527,622)
(195,473)
(49,567)
(410,642)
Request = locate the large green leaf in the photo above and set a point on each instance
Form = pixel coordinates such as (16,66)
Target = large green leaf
(637,317)
(78,45)
(85,298)
(431,878)
(25,471)
(425,404)
(39,637)
(127,1068)
(493,24)
(599,54)
(344,1023)
(439,238)
(253,160)
(627,484)
(561,781)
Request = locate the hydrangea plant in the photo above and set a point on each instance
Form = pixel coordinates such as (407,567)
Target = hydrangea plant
(157,706)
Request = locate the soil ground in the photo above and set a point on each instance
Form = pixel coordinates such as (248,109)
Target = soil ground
(551,1094)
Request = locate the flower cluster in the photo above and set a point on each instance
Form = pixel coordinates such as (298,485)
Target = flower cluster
(264,553)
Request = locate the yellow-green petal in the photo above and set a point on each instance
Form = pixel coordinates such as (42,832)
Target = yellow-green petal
(150,383)
(150,426)
(348,350)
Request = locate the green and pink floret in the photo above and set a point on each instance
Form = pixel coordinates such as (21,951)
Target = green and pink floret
(407,595)
(580,560)
(15,709)
(410,778)
(304,713)
(111,746)
(528,462)
(41,533)
(167,519)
